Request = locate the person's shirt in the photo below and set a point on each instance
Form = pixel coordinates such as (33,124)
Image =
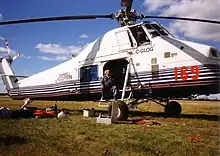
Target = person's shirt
(107,82)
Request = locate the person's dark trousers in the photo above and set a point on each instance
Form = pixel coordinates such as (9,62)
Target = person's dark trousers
(108,92)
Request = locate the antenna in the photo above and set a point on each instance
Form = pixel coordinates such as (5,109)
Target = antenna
(7,47)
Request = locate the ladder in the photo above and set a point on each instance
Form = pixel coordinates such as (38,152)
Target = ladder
(125,88)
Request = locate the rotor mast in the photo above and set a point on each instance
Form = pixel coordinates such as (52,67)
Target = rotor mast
(127,16)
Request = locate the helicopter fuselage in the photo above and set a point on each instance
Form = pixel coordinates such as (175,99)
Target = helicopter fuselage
(159,66)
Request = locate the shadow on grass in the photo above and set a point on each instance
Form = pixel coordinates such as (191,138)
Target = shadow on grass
(12,140)
(159,114)
(136,114)
(188,116)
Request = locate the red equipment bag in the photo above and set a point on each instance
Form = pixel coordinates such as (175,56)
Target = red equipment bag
(45,113)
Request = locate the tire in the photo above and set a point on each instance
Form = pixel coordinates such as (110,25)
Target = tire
(173,109)
(123,111)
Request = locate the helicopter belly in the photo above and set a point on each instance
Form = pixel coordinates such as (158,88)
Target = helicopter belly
(53,91)
(172,82)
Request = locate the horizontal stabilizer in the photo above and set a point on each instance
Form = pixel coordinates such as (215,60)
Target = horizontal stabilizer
(22,76)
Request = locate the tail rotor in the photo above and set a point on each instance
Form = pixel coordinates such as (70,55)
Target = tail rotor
(10,56)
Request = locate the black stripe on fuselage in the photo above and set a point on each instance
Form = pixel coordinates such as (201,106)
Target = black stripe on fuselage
(94,86)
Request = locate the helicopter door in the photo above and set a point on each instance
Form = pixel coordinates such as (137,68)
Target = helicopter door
(123,40)
(117,70)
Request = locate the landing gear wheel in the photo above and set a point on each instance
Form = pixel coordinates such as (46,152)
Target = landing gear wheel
(173,109)
(122,111)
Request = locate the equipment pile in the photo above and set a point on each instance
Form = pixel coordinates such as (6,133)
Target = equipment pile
(29,112)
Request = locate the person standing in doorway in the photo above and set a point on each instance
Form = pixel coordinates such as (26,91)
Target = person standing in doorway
(108,86)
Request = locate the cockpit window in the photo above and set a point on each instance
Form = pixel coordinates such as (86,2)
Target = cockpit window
(155,30)
(139,35)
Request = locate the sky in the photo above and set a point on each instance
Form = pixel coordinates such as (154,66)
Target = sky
(44,45)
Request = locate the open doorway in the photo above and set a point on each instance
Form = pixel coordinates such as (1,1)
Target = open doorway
(117,70)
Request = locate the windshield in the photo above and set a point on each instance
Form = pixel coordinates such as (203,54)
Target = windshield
(155,30)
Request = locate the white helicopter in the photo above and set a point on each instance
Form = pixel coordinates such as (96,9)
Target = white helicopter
(144,58)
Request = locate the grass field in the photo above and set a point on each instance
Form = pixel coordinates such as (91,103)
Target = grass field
(195,133)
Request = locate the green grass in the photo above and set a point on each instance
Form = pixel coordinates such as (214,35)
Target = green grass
(77,135)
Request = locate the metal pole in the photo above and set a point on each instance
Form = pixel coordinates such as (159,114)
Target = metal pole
(126,78)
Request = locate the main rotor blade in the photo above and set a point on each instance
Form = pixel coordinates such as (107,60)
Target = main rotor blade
(185,19)
(61,18)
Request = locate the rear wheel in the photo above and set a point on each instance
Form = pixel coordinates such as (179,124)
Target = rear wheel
(173,109)
(122,111)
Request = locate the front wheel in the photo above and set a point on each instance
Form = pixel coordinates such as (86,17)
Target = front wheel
(122,111)
(173,109)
